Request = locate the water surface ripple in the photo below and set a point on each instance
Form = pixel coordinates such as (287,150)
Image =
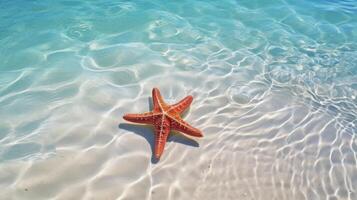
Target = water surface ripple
(274,86)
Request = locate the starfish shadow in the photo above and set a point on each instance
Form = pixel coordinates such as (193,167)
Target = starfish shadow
(148,133)
(151,104)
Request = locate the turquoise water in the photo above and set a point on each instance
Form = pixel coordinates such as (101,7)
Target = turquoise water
(274,86)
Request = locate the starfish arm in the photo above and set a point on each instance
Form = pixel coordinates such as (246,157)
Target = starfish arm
(144,118)
(184,127)
(162,131)
(182,105)
(157,100)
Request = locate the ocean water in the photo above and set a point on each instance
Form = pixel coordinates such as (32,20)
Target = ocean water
(274,85)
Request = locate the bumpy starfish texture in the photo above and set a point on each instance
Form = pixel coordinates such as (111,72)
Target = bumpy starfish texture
(165,118)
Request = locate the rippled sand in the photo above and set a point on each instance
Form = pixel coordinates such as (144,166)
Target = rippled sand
(274,86)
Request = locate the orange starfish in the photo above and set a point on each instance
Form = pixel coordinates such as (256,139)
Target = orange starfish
(165,118)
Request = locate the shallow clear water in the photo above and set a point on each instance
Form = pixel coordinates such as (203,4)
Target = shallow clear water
(274,86)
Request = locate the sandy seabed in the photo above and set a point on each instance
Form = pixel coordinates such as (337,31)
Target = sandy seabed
(274,87)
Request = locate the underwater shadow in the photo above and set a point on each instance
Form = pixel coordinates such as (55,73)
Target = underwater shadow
(147,132)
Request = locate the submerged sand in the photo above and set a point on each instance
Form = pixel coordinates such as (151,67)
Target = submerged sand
(270,144)
(274,87)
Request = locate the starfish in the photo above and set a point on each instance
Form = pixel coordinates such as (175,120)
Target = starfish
(165,118)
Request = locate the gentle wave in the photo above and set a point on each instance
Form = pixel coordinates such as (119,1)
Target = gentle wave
(274,86)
